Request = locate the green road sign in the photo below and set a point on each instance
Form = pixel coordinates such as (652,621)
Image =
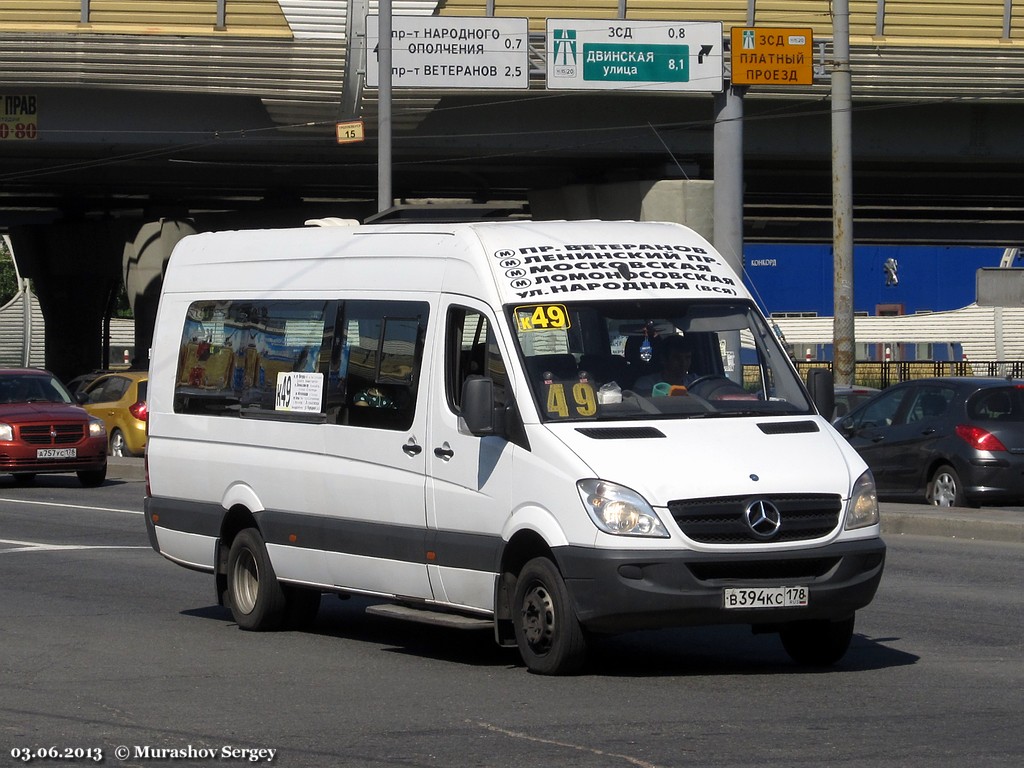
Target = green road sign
(634,55)
(629,62)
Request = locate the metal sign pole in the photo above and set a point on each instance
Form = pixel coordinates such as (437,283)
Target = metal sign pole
(843,353)
(728,199)
(384,194)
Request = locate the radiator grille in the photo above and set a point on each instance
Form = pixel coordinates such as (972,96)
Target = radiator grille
(56,434)
(722,520)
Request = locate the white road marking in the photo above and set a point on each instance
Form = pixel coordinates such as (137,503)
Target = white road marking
(35,546)
(71,506)
(568,745)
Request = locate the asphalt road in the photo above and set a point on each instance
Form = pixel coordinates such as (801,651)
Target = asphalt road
(107,645)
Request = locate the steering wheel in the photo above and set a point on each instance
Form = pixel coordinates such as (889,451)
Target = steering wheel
(705,377)
(710,383)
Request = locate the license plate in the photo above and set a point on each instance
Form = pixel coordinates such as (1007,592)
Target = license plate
(766,597)
(56,453)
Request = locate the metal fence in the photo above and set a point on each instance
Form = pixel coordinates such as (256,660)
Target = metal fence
(871,373)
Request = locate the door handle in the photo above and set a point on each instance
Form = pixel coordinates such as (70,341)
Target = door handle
(877,438)
(928,431)
(412,449)
(444,452)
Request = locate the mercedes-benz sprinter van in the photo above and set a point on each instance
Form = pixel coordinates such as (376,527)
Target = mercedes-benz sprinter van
(478,424)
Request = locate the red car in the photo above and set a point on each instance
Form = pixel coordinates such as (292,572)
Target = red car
(43,430)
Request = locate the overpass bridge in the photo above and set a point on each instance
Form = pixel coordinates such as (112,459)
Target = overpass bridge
(141,121)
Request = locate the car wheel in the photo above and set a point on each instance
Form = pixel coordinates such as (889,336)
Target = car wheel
(118,445)
(255,596)
(548,633)
(819,643)
(93,477)
(945,489)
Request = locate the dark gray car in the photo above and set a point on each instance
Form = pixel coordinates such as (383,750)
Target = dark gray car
(953,441)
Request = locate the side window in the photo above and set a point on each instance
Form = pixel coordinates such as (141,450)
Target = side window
(929,403)
(95,392)
(472,350)
(108,390)
(344,362)
(236,358)
(882,413)
(375,363)
(115,388)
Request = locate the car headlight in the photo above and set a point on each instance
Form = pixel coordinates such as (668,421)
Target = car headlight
(6,433)
(618,510)
(97,428)
(863,510)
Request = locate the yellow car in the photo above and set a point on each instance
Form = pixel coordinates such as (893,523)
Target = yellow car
(120,400)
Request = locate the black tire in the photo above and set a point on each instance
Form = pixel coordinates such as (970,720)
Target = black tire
(819,643)
(548,633)
(93,477)
(255,596)
(945,488)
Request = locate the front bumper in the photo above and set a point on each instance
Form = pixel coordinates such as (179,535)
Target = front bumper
(623,590)
(20,459)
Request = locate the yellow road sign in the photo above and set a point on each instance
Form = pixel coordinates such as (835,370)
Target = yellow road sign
(772,56)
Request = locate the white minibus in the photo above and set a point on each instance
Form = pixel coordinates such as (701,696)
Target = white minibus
(554,430)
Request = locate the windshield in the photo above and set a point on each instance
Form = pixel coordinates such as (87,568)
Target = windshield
(32,388)
(616,360)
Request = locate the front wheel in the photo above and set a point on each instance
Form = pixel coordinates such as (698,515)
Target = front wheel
(548,633)
(819,643)
(255,596)
(945,488)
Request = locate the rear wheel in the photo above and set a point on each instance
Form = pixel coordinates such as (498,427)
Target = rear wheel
(945,488)
(548,633)
(118,445)
(819,643)
(256,598)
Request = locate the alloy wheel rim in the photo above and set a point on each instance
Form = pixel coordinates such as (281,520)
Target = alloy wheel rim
(246,582)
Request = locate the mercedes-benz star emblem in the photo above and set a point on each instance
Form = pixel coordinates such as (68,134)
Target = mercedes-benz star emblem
(763,517)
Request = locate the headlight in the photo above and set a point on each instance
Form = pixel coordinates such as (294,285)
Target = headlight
(618,510)
(863,509)
(96,428)
(6,433)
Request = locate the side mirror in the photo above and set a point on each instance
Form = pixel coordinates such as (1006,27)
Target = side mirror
(822,388)
(478,406)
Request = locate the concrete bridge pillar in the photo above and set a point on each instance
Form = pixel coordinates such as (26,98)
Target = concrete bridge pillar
(144,261)
(75,271)
(685,202)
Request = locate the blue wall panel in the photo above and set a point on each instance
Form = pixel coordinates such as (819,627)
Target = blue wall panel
(798,278)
